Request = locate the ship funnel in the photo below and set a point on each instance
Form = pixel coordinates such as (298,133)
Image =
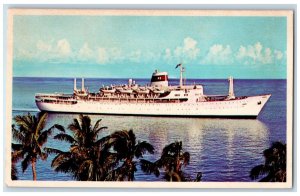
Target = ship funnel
(75,87)
(231,91)
(82,84)
(159,79)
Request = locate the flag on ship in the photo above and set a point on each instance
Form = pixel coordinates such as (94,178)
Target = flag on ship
(178,65)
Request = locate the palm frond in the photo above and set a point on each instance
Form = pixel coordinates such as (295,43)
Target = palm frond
(132,138)
(268,178)
(75,126)
(61,157)
(86,167)
(40,124)
(24,121)
(143,147)
(65,164)
(97,131)
(59,127)
(43,137)
(52,151)
(17,135)
(105,142)
(25,163)
(85,123)
(121,142)
(17,147)
(258,171)
(17,155)
(96,126)
(65,137)
(14,172)
(170,149)
(149,167)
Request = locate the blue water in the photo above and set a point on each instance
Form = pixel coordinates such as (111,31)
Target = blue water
(222,149)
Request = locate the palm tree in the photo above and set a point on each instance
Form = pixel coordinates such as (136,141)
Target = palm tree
(172,160)
(31,138)
(127,149)
(274,168)
(14,171)
(88,158)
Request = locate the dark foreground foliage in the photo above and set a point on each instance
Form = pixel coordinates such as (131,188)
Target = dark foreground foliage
(274,168)
(89,158)
(30,136)
(172,160)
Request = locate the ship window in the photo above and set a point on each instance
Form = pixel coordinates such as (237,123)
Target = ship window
(177,95)
(185,94)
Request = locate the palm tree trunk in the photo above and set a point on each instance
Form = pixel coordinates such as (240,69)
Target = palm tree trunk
(33,169)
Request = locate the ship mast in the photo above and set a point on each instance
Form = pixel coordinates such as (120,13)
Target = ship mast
(75,88)
(230,90)
(82,85)
(181,74)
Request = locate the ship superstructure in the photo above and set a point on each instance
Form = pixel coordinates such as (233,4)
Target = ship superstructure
(157,99)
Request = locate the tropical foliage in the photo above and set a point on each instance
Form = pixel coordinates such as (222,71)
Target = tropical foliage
(30,137)
(274,168)
(14,171)
(172,160)
(128,148)
(93,159)
(88,158)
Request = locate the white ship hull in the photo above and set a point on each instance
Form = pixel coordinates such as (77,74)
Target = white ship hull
(248,107)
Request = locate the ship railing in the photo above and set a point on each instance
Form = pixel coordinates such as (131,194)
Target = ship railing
(59,101)
(135,100)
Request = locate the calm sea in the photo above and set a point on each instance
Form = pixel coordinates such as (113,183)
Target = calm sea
(222,149)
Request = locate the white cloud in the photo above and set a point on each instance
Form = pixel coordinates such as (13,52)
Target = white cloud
(85,52)
(278,54)
(268,56)
(257,54)
(63,48)
(24,54)
(102,56)
(185,52)
(218,55)
(188,50)
(168,54)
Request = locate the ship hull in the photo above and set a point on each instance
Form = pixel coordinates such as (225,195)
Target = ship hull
(248,107)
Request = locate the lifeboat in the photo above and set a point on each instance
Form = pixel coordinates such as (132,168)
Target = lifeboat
(126,91)
(142,91)
(108,90)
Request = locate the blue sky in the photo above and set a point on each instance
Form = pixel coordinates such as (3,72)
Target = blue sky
(134,46)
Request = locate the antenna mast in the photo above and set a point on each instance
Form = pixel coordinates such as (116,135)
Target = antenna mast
(181,72)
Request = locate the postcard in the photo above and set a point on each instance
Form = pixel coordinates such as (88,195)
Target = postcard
(149,98)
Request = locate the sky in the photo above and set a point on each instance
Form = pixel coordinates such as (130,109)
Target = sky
(135,46)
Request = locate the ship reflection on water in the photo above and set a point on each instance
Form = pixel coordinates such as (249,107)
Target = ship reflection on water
(222,149)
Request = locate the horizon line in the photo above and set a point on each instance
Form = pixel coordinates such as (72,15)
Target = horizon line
(145,78)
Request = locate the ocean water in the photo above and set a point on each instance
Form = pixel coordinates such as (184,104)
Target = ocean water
(224,150)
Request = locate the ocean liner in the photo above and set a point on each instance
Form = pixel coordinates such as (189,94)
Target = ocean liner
(157,99)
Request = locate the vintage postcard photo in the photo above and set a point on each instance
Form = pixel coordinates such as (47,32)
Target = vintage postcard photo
(149,98)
